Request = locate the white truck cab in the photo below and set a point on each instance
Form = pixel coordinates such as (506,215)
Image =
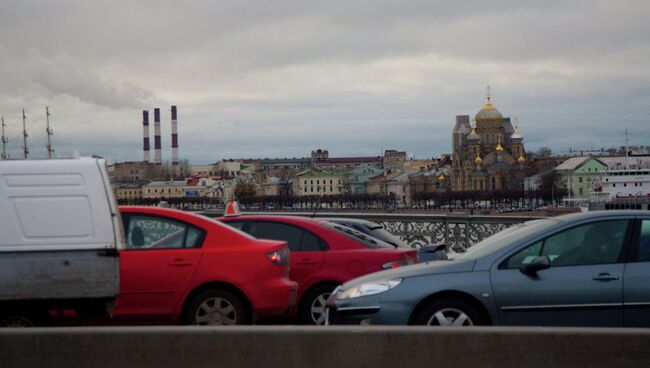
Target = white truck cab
(60,233)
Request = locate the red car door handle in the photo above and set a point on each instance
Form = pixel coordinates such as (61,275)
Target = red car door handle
(307,261)
(179,262)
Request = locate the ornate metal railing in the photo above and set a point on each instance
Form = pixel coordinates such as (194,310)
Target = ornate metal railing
(457,231)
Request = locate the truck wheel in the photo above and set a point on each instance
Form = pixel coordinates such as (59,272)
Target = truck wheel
(312,306)
(216,307)
(23,319)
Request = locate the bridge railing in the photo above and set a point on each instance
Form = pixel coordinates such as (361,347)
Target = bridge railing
(457,231)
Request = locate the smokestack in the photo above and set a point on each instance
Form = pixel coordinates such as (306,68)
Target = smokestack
(156,132)
(174,137)
(145,134)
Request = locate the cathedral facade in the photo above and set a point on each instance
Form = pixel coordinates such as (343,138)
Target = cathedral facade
(488,155)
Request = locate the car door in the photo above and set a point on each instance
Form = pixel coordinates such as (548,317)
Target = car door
(307,249)
(159,261)
(636,288)
(582,287)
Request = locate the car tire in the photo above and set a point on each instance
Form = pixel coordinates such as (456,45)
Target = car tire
(14,318)
(312,306)
(449,312)
(216,307)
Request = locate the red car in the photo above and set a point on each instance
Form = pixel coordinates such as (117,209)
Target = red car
(323,256)
(184,268)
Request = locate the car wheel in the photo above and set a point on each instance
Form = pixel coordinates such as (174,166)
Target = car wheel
(216,307)
(449,312)
(17,319)
(312,307)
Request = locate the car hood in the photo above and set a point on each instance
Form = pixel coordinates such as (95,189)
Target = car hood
(428,268)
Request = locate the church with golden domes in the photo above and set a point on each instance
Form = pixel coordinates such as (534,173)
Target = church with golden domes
(488,155)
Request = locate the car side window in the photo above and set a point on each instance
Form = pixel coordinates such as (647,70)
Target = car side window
(276,231)
(595,243)
(643,254)
(150,232)
(194,237)
(311,243)
(239,225)
(523,257)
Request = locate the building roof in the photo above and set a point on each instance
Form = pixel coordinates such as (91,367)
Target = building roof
(575,162)
(619,162)
(351,160)
(276,161)
(315,173)
(168,183)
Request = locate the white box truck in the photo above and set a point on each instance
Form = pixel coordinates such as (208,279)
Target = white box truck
(60,233)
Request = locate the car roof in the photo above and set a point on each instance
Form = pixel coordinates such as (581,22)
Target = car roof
(349,220)
(279,218)
(598,214)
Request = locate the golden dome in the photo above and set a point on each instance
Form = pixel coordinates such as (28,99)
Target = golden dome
(521,158)
(478,159)
(488,112)
(499,148)
(441,177)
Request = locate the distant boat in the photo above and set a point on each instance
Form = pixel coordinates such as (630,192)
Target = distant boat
(622,189)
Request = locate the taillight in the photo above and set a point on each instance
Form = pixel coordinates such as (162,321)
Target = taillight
(279,257)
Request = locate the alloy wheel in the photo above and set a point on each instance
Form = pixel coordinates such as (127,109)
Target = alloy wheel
(216,311)
(450,317)
(317,309)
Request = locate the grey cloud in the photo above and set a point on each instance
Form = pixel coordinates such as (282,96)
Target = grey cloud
(349,76)
(36,74)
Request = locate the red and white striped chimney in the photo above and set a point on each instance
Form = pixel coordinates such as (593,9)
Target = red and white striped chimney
(174,137)
(145,134)
(156,129)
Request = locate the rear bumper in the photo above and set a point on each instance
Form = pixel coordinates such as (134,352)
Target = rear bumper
(273,297)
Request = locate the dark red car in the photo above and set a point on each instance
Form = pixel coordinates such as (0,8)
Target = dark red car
(184,268)
(323,256)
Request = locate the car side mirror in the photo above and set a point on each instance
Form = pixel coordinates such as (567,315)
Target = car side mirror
(538,264)
(433,252)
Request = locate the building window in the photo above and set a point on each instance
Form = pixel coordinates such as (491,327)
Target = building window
(580,179)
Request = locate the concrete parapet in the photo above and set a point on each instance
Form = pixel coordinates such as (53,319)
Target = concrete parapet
(331,347)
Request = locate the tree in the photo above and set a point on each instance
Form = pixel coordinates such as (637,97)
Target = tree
(245,190)
(544,152)
(550,181)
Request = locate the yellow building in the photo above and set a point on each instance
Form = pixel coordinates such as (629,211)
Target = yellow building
(164,189)
(128,192)
(489,155)
(318,183)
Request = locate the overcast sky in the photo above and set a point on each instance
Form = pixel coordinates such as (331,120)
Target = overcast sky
(280,78)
